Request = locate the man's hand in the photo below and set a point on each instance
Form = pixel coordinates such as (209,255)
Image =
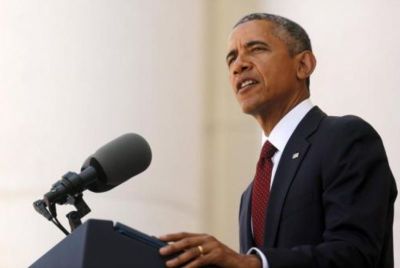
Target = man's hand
(197,250)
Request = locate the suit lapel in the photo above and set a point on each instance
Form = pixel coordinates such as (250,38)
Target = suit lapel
(292,156)
(246,236)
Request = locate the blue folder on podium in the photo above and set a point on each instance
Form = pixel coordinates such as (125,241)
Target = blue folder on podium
(100,243)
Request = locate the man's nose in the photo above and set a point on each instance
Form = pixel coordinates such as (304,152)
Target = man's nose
(240,65)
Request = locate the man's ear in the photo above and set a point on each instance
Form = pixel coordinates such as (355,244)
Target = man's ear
(306,64)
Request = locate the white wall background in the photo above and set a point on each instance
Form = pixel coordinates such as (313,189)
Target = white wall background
(76,74)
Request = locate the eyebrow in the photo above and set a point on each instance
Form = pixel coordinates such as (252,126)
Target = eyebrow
(255,43)
(249,44)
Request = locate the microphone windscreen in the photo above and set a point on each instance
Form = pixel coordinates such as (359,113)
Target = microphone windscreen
(119,160)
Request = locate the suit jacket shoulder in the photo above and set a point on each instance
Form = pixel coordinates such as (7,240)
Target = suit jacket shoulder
(322,202)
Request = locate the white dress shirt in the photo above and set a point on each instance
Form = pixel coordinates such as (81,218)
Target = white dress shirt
(279,137)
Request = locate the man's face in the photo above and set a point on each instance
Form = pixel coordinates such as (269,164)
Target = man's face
(261,71)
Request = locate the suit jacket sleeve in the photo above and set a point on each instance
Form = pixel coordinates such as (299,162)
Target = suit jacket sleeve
(358,192)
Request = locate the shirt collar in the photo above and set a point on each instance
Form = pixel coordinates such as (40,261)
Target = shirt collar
(281,133)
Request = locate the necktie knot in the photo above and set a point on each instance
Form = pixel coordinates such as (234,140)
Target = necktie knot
(268,150)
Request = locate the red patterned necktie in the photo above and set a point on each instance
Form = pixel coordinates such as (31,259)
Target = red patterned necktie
(260,194)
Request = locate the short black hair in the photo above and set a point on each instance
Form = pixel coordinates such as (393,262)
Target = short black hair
(295,37)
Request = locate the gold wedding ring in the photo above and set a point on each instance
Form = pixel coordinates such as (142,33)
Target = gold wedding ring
(201,250)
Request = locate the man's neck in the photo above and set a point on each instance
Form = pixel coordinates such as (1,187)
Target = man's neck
(272,115)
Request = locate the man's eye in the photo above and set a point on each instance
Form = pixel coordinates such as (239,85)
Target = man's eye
(258,49)
(229,61)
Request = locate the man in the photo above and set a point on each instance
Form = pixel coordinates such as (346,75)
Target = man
(323,193)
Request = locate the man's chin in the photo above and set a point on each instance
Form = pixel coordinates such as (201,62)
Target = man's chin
(252,109)
(248,109)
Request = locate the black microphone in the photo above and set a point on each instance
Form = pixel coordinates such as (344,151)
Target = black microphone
(111,165)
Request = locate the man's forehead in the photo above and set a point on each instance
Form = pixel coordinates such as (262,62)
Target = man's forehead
(247,31)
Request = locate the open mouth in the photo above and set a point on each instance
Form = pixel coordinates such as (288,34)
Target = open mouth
(246,83)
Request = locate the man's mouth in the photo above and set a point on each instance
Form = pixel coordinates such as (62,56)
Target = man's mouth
(246,83)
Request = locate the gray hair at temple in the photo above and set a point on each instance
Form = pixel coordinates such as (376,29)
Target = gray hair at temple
(288,31)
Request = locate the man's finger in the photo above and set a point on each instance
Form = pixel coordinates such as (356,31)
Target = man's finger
(196,263)
(175,236)
(181,245)
(183,258)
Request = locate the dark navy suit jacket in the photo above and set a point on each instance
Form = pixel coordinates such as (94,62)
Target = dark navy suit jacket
(332,206)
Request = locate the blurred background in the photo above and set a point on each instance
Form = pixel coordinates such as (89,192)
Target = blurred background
(77,74)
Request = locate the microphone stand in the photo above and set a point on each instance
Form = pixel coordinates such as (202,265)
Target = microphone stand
(82,209)
(47,208)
